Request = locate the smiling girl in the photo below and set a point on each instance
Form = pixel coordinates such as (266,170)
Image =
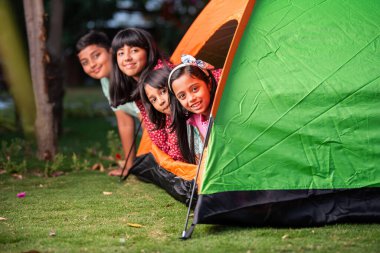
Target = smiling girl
(156,99)
(193,84)
(134,56)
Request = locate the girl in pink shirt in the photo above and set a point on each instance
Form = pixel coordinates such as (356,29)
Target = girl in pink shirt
(193,84)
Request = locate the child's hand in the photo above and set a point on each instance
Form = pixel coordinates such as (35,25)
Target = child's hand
(117,172)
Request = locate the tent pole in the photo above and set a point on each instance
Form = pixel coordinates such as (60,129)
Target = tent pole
(122,178)
(186,233)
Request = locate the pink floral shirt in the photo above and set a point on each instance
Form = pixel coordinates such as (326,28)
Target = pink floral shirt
(217,74)
(163,138)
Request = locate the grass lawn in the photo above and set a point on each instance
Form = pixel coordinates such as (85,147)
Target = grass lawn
(72,213)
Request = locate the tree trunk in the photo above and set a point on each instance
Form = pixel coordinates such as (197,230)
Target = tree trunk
(54,67)
(45,134)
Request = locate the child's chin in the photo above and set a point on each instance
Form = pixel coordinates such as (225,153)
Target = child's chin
(196,111)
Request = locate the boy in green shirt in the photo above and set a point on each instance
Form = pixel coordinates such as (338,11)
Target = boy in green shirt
(94,53)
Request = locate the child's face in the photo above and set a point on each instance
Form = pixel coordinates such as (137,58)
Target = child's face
(159,98)
(192,93)
(131,60)
(95,61)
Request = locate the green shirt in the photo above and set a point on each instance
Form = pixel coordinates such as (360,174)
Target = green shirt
(129,107)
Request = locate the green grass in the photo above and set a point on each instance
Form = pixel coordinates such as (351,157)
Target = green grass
(86,220)
(87,121)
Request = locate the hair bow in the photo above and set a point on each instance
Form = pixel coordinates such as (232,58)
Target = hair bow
(190,60)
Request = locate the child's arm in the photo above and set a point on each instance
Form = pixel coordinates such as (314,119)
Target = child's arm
(126,126)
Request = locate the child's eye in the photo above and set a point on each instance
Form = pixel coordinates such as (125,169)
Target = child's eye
(134,50)
(195,88)
(181,96)
(153,100)
(84,63)
(96,56)
(120,53)
(163,91)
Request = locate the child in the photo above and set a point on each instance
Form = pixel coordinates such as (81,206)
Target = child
(93,51)
(134,55)
(156,100)
(155,96)
(194,85)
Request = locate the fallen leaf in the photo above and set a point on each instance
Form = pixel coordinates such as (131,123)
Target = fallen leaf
(17,176)
(107,193)
(52,233)
(135,225)
(37,173)
(98,166)
(2,218)
(2,171)
(21,195)
(108,158)
(57,173)
(285,236)
(121,163)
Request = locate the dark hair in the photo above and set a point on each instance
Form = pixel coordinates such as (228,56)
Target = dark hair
(122,87)
(157,79)
(179,124)
(180,115)
(93,38)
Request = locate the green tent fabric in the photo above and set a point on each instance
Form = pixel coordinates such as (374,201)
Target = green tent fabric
(296,137)
(302,104)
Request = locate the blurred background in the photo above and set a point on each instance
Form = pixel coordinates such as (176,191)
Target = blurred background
(166,20)
(83,122)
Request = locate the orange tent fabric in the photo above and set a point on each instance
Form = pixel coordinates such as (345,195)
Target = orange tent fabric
(145,145)
(209,40)
(183,170)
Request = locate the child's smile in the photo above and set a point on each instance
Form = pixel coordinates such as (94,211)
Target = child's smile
(193,94)
(131,60)
(96,61)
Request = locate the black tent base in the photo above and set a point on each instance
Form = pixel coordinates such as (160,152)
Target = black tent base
(289,208)
(146,168)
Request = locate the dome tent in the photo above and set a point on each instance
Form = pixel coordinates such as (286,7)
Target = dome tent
(294,139)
